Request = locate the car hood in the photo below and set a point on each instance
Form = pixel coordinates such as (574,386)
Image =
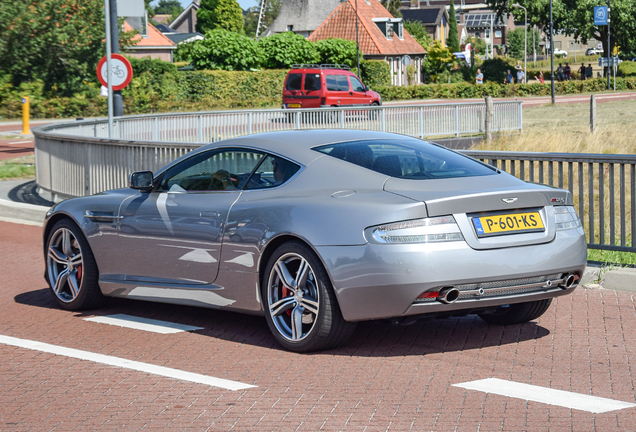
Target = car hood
(476,194)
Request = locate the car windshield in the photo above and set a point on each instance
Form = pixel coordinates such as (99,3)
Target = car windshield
(407,159)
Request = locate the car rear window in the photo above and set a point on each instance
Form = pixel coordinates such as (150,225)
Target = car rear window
(407,159)
(337,83)
(294,81)
(312,82)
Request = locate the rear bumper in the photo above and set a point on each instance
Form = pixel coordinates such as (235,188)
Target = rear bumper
(384,281)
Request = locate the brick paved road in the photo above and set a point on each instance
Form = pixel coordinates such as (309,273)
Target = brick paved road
(385,378)
(16,147)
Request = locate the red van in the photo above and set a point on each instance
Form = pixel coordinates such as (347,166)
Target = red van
(315,86)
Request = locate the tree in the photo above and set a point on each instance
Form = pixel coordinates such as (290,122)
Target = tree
(272,9)
(282,50)
(337,51)
(438,60)
(453,39)
(58,42)
(418,31)
(393,6)
(222,49)
(169,7)
(220,14)
(515,41)
(575,18)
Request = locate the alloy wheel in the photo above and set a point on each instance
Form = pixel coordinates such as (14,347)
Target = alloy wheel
(293,297)
(65,264)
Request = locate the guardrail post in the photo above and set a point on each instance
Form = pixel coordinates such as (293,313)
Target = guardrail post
(154,129)
(422,122)
(456,120)
(383,120)
(342,119)
(520,109)
(199,128)
(297,119)
(250,120)
(592,113)
(488,119)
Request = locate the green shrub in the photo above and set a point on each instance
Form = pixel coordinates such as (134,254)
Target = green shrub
(222,49)
(337,51)
(627,69)
(282,50)
(154,66)
(495,70)
(375,73)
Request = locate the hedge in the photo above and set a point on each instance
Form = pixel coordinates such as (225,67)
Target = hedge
(152,92)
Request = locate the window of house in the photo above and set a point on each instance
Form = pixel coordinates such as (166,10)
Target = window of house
(498,33)
(401,30)
(487,34)
(290,28)
(388,27)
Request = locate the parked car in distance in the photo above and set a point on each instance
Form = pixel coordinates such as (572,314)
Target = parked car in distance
(317,230)
(560,52)
(315,86)
(593,51)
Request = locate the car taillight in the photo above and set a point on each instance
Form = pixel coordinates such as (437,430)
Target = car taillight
(566,218)
(426,230)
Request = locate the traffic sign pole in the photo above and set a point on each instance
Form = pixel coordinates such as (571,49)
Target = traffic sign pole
(118,105)
(609,47)
(109,84)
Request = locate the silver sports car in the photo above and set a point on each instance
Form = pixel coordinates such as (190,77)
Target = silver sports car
(319,229)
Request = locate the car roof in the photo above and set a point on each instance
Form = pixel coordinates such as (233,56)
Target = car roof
(297,144)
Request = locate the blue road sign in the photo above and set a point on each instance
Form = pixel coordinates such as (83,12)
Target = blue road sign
(23,100)
(600,15)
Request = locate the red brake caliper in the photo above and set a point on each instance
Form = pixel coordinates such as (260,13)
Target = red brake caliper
(284,293)
(79,273)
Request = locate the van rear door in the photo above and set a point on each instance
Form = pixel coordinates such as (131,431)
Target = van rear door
(312,90)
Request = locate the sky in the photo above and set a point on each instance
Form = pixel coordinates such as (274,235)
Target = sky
(244,3)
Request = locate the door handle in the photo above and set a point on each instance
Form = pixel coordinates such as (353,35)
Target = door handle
(208,214)
(350,93)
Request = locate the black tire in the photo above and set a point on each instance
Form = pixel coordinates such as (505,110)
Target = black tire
(78,288)
(517,313)
(320,328)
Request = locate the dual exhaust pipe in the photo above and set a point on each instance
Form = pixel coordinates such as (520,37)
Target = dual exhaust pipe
(451,294)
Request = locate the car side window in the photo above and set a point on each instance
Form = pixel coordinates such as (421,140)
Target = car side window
(273,171)
(332,83)
(343,83)
(215,170)
(294,81)
(356,85)
(312,82)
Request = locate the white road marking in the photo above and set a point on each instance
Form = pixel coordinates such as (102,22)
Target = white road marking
(583,402)
(124,363)
(145,324)
(20,142)
(20,221)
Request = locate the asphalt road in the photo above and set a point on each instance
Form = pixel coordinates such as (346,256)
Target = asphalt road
(59,371)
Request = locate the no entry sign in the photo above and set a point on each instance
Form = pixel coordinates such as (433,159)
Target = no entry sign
(121,71)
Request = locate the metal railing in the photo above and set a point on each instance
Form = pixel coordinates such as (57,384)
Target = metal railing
(603,187)
(76,159)
(205,127)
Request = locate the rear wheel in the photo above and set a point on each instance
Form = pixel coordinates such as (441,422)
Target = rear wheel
(71,270)
(517,313)
(301,307)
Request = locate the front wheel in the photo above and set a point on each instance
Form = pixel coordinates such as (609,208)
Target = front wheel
(300,305)
(71,270)
(517,313)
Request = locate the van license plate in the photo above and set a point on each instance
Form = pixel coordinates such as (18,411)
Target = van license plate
(293,105)
(508,224)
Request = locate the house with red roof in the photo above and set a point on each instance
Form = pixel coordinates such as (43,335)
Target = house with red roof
(381,36)
(154,45)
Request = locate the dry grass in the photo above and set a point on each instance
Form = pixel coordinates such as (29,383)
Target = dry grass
(565,129)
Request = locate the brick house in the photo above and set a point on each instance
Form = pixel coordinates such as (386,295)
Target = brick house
(381,36)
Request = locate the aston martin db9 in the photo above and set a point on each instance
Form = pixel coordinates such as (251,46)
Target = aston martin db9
(319,229)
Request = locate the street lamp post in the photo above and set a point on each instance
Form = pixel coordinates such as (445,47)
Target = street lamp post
(552,55)
(525,40)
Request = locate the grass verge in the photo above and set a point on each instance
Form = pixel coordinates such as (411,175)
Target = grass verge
(18,168)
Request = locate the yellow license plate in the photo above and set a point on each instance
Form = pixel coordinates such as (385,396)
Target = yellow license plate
(293,105)
(508,224)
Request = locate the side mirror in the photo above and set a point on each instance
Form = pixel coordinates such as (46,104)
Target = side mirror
(366,88)
(141,180)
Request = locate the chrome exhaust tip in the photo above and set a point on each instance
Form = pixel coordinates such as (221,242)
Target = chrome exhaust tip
(448,295)
(571,281)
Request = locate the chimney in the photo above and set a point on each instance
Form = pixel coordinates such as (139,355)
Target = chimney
(415,4)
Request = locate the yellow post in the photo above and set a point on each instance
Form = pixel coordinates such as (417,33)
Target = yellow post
(25,115)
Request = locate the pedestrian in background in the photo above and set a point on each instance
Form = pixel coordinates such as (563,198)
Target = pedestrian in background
(479,78)
(588,71)
(509,79)
(567,71)
(520,76)
(582,71)
(540,77)
(560,72)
